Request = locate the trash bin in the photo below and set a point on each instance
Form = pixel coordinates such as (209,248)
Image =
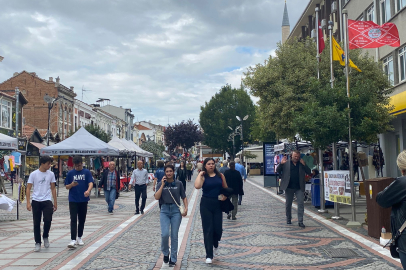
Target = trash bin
(378,217)
(316,194)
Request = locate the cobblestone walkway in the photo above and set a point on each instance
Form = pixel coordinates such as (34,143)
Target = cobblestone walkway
(261,239)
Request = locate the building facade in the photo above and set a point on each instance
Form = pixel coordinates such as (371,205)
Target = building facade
(126,130)
(158,134)
(393,59)
(36,111)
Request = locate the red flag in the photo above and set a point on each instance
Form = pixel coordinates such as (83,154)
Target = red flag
(367,34)
(321,39)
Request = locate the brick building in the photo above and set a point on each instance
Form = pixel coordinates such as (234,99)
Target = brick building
(36,111)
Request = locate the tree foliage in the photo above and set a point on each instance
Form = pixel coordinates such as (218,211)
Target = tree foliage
(220,112)
(185,134)
(98,132)
(294,102)
(153,148)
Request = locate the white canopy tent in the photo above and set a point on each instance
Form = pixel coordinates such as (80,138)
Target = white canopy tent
(140,152)
(121,146)
(8,143)
(81,143)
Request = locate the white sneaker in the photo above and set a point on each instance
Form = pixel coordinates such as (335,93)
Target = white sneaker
(79,241)
(216,251)
(72,244)
(208,260)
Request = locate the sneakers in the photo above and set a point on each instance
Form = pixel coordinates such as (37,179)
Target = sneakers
(216,251)
(37,247)
(137,213)
(46,243)
(72,244)
(208,260)
(301,225)
(234,218)
(79,241)
(228,216)
(166,258)
(142,212)
(171,263)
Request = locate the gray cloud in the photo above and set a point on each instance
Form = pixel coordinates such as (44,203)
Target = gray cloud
(160,58)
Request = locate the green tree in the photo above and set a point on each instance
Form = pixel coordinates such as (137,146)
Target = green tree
(294,102)
(260,131)
(153,148)
(220,113)
(98,133)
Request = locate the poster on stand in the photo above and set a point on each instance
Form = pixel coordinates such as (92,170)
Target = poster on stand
(269,155)
(337,186)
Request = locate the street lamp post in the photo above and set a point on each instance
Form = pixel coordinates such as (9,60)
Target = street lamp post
(50,101)
(242,138)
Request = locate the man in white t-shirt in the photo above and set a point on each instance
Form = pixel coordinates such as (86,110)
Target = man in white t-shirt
(42,181)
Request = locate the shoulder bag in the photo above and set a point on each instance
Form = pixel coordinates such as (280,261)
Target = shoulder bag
(181,207)
(393,246)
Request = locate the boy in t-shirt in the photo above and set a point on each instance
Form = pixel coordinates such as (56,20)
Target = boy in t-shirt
(79,181)
(43,183)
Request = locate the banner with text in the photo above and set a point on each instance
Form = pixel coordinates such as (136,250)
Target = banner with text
(337,186)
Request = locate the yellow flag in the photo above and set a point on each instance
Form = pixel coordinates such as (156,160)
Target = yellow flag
(339,55)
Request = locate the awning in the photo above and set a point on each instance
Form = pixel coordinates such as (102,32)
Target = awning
(399,101)
(38,145)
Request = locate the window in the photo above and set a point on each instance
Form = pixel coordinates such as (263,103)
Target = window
(385,11)
(400,4)
(388,69)
(402,64)
(370,13)
(5,114)
(360,18)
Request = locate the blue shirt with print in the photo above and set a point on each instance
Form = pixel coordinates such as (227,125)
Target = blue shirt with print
(83,177)
(159,174)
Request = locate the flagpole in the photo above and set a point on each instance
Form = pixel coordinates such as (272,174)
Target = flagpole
(322,193)
(330,31)
(353,221)
(317,42)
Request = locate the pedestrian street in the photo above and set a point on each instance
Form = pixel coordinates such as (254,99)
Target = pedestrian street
(258,239)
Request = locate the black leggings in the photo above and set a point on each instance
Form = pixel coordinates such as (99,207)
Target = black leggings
(212,222)
(78,211)
(184,184)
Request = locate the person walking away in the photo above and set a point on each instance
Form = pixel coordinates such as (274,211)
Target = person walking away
(110,182)
(218,164)
(2,177)
(182,174)
(212,181)
(43,183)
(79,182)
(234,181)
(395,196)
(159,174)
(189,168)
(293,183)
(225,167)
(139,179)
(243,173)
(169,192)
(199,167)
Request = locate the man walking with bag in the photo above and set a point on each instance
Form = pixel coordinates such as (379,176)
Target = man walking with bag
(139,179)
(293,183)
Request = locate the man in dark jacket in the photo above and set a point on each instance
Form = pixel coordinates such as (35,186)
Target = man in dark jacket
(293,182)
(110,182)
(234,181)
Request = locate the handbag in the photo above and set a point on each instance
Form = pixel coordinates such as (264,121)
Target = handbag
(181,207)
(393,246)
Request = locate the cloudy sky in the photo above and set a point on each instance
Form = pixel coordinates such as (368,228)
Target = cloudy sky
(163,59)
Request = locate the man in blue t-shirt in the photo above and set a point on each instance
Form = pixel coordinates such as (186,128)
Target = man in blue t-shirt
(159,173)
(80,183)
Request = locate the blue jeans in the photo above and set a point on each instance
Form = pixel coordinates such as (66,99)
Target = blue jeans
(170,217)
(110,196)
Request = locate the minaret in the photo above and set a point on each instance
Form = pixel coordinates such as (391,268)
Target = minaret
(285,24)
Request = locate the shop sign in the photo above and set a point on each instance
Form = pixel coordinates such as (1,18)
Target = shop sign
(337,186)
(22,144)
(269,154)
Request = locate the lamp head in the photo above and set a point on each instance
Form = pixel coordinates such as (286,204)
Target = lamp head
(245,117)
(230,127)
(48,99)
(238,118)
